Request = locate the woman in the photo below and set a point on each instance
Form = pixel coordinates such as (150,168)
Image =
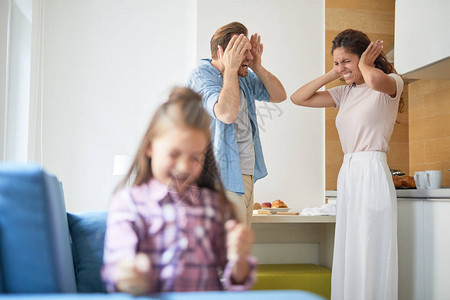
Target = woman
(365,262)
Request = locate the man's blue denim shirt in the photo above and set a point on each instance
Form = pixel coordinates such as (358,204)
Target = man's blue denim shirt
(207,81)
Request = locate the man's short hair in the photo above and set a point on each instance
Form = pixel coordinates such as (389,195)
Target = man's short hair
(224,34)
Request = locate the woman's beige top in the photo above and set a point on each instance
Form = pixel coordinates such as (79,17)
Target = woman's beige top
(366,117)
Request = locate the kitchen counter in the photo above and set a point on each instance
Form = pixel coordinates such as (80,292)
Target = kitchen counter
(411,193)
(414,193)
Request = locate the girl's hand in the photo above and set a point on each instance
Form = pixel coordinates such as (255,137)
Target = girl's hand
(133,275)
(239,241)
(370,55)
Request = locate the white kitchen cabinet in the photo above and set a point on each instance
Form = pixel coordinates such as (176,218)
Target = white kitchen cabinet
(436,248)
(410,249)
(424,248)
(422,39)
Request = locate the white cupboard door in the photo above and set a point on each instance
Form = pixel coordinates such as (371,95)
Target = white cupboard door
(410,249)
(437,249)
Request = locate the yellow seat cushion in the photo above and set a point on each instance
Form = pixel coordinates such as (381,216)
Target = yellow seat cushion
(306,277)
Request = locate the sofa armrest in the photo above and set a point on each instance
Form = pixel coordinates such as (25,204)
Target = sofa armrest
(35,251)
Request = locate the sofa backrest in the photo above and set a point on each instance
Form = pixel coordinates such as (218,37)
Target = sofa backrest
(35,252)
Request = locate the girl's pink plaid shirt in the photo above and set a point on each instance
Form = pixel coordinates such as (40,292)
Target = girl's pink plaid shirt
(184,237)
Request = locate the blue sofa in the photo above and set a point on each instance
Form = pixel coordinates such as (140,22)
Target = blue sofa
(47,253)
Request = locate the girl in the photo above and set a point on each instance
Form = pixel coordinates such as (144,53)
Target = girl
(365,249)
(174,229)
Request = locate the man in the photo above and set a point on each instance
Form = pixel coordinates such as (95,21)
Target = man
(229,90)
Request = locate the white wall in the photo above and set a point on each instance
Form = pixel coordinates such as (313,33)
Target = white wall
(16,82)
(422,34)
(107,65)
(292,137)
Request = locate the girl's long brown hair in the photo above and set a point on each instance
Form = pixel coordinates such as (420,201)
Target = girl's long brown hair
(183,108)
(356,42)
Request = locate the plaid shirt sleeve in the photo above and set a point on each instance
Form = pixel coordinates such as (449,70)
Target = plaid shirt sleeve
(120,240)
(228,266)
(248,283)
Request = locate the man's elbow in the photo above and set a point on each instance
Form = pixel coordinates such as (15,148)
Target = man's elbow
(278,99)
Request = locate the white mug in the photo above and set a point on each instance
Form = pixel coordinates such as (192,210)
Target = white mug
(434,179)
(421,180)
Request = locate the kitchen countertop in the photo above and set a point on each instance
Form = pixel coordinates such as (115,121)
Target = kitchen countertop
(412,193)
(415,193)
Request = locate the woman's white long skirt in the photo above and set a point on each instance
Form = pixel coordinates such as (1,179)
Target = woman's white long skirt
(365,261)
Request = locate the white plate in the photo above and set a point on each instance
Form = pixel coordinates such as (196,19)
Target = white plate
(275,210)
